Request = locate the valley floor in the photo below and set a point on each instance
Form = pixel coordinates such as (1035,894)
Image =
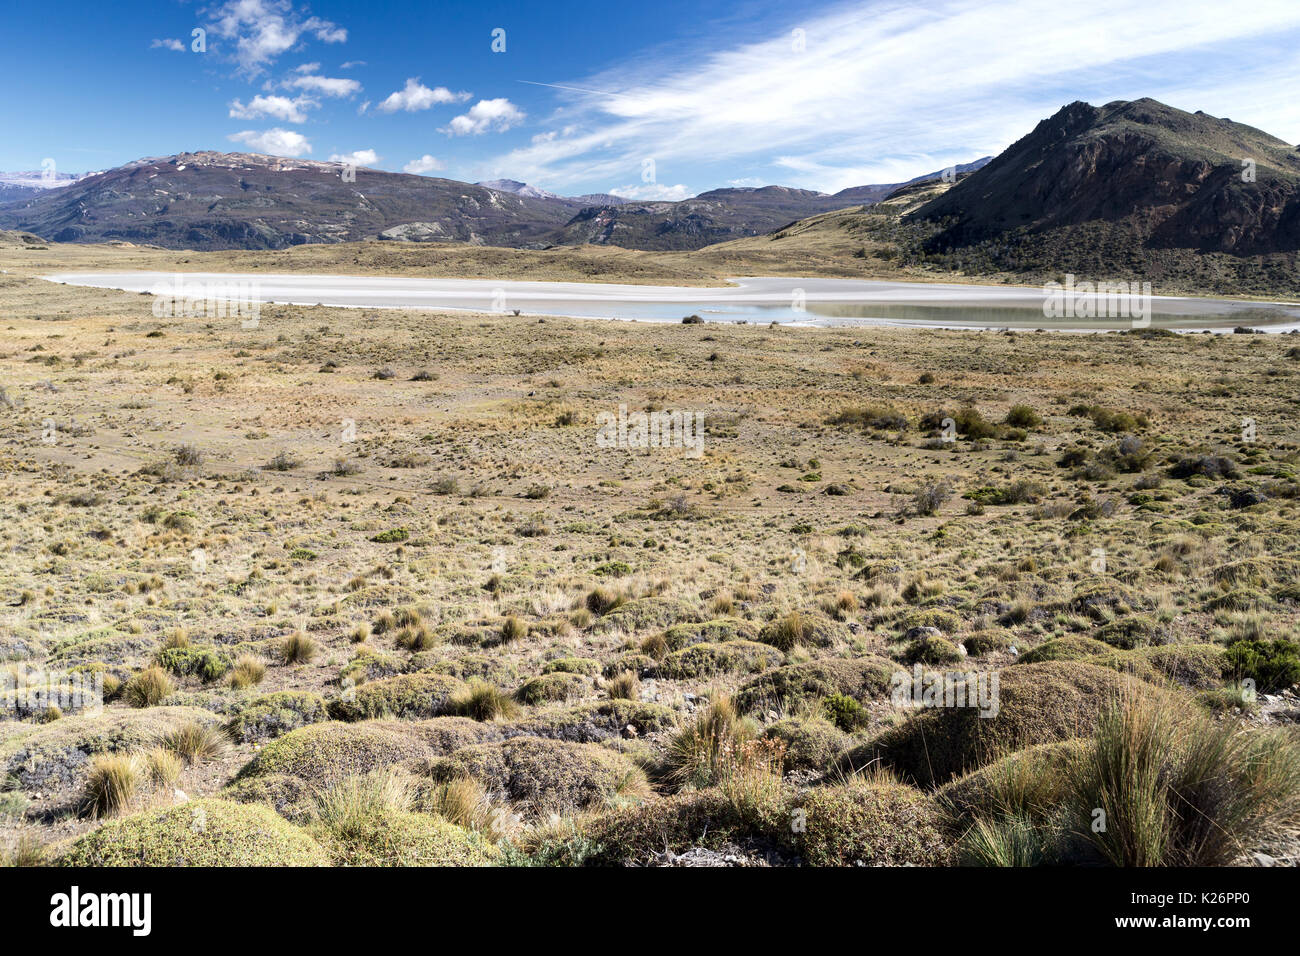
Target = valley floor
(354,572)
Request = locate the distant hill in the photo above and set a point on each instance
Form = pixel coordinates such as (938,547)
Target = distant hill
(720,215)
(517,188)
(870,194)
(211,200)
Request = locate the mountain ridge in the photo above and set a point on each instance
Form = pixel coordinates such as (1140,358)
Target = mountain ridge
(212,200)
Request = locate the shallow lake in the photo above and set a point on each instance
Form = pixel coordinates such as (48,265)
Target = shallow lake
(820,302)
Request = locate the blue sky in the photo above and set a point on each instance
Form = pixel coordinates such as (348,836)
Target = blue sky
(653,100)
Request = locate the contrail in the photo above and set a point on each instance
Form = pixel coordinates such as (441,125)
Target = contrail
(574,89)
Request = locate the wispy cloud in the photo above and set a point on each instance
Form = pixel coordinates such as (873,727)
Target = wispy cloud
(279,107)
(324,85)
(415,96)
(879,92)
(275,141)
(497,114)
(171,43)
(425,164)
(262,30)
(359,157)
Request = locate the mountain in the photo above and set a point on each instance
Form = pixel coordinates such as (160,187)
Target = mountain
(864,240)
(1121,187)
(720,215)
(710,217)
(211,200)
(517,188)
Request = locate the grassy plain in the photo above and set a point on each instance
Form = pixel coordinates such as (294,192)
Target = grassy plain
(370,581)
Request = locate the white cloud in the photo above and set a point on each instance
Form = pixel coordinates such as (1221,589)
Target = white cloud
(264,29)
(425,164)
(275,141)
(325,85)
(307,68)
(498,114)
(883,91)
(653,192)
(280,107)
(359,157)
(168,44)
(416,96)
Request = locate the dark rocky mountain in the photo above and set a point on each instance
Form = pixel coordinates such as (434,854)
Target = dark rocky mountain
(210,200)
(715,216)
(1110,185)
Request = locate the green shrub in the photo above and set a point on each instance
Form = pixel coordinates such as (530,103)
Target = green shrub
(553,687)
(1272,665)
(1023,416)
(546,776)
(415,696)
(202,662)
(844,712)
(321,753)
(572,665)
(797,685)
(931,650)
(405,839)
(872,823)
(198,833)
(728,657)
(274,715)
(809,744)
(1065,649)
(878,417)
